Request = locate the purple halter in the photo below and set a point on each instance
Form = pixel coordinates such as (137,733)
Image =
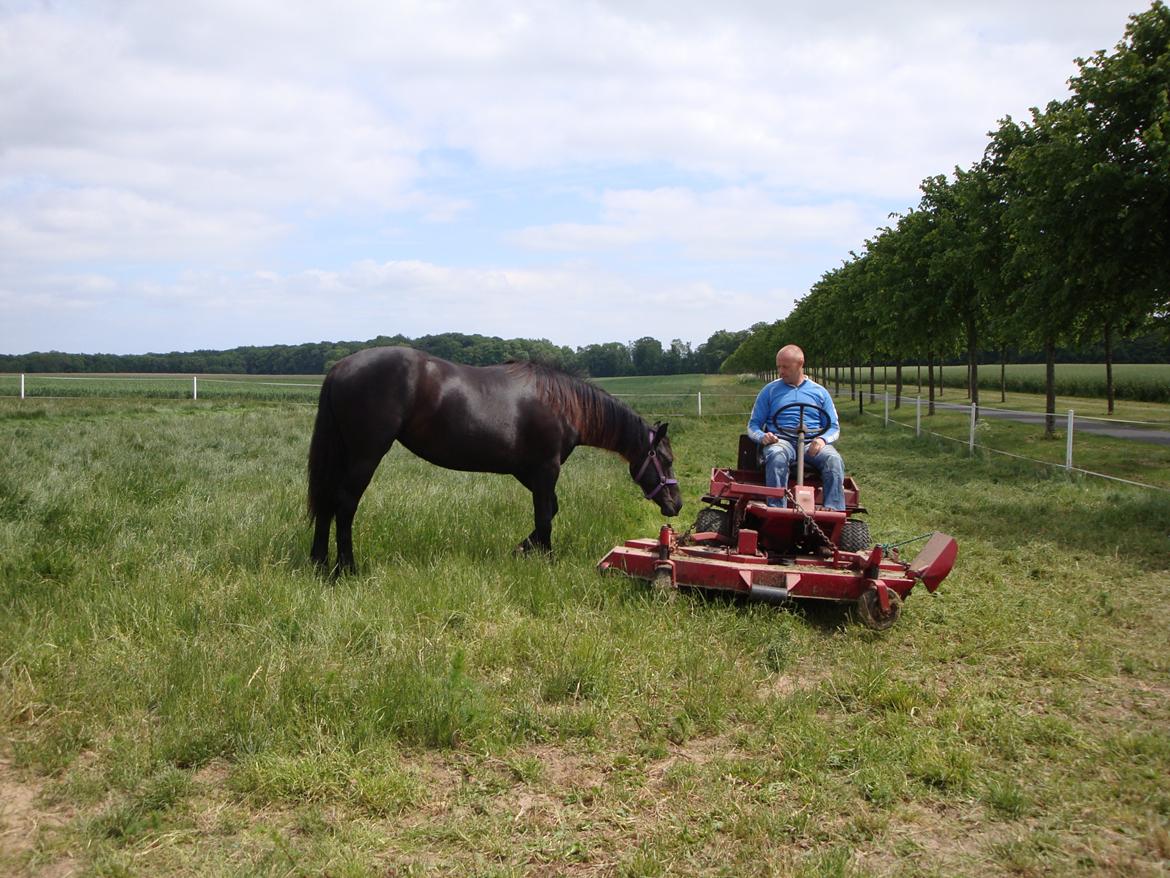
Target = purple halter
(663,481)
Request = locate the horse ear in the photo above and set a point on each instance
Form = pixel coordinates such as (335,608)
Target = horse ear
(660,431)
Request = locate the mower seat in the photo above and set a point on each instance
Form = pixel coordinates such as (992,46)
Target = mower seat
(750,467)
(750,455)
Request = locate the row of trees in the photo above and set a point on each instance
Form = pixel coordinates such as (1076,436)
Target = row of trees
(1059,234)
(646,356)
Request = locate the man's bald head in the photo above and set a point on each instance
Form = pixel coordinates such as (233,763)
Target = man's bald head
(790,364)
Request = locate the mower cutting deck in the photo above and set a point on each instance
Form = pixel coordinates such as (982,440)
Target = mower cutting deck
(799,551)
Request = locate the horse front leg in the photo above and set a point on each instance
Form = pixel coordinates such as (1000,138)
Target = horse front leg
(544,508)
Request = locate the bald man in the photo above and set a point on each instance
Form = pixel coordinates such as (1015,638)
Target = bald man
(780,453)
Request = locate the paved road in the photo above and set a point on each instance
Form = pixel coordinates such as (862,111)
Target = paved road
(1080,425)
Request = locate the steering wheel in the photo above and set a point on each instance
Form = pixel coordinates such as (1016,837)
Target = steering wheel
(792,435)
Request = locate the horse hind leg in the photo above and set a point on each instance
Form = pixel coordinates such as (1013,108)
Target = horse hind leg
(354,484)
(321,528)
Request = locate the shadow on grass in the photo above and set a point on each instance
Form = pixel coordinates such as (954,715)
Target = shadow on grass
(823,615)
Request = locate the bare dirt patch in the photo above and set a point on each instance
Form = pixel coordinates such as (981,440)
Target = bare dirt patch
(23,818)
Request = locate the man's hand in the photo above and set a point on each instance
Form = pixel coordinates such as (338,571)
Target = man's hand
(814,447)
(769,439)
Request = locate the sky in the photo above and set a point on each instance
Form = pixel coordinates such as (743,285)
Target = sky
(202,175)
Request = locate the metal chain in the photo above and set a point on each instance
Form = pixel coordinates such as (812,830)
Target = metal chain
(816,527)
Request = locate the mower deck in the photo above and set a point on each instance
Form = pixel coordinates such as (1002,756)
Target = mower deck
(784,553)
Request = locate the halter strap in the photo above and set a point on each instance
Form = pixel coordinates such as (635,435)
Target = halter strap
(663,481)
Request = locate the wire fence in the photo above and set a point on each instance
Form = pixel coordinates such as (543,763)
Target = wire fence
(1129,446)
(1091,444)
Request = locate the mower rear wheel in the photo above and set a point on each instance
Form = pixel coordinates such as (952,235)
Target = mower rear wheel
(714,519)
(869,610)
(854,536)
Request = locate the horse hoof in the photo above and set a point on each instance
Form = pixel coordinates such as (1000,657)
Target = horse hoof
(527,547)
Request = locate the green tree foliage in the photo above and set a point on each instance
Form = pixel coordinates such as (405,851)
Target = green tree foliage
(1059,234)
(646,356)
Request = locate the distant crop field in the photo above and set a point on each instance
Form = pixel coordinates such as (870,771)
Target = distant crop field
(1147,382)
(180,694)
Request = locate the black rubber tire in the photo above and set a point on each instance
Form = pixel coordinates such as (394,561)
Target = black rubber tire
(855,536)
(714,519)
(870,613)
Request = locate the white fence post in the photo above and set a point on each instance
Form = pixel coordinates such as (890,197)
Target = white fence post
(700,396)
(22,385)
(918,416)
(1068,442)
(194,387)
(971,437)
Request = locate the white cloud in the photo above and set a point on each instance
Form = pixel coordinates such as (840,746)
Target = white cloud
(571,304)
(92,224)
(212,141)
(726,223)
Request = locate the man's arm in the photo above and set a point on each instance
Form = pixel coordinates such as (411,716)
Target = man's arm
(760,412)
(834,432)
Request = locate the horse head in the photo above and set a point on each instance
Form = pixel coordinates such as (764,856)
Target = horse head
(653,470)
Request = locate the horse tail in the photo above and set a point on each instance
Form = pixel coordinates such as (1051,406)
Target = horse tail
(326,457)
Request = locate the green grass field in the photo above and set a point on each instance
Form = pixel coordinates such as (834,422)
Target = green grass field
(179,694)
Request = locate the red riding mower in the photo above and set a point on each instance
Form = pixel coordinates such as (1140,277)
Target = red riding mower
(740,544)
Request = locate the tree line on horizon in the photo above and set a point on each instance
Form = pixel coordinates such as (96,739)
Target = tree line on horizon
(1057,237)
(644,356)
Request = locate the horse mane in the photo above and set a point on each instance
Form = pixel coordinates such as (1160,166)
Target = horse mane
(600,419)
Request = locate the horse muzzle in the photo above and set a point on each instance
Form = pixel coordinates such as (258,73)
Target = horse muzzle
(670,502)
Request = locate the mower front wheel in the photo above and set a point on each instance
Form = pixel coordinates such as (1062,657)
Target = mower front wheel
(869,610)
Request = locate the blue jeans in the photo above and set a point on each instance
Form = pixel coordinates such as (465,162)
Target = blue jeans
(780,456)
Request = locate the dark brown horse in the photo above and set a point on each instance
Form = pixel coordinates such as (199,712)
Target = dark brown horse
(518,418)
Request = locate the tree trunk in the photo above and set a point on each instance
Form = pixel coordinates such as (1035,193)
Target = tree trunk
(861,397)
(930,380)
(871,380)
(1050,387)
(1109,363)
(852,379)
(920,376)
(898,385)
(837,380)
(972,361)
(1003,373)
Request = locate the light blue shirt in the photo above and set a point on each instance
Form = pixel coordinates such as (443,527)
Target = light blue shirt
(778,394)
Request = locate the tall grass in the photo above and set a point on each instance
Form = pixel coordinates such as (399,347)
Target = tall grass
(189,697)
